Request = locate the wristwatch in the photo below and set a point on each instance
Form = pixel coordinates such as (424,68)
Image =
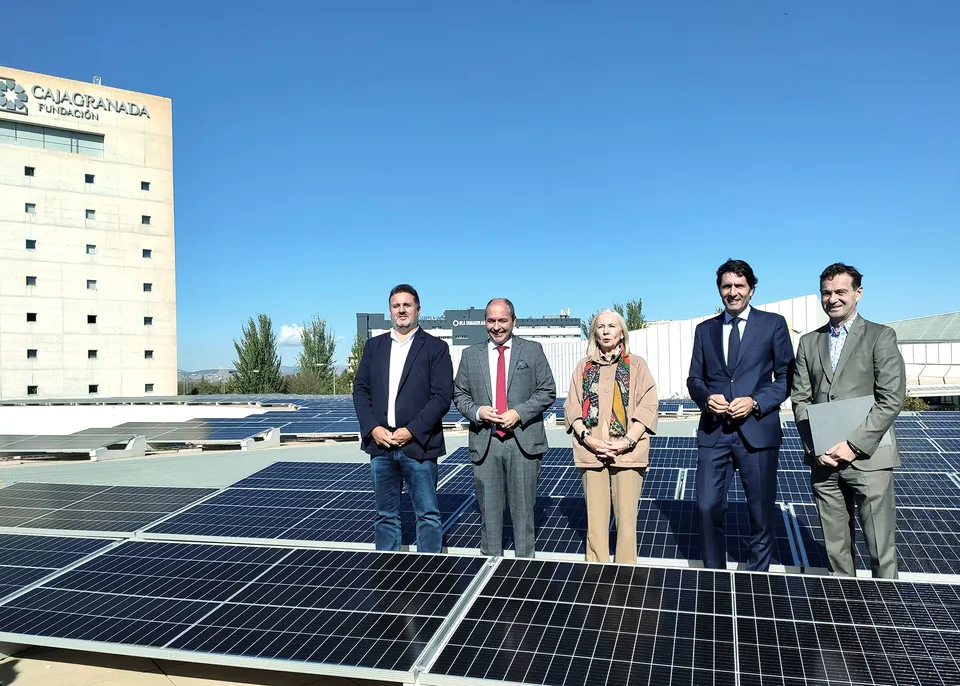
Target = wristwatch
(586,432)
(756,408)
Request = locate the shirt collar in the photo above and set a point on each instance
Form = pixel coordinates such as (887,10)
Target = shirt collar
(743,315)
(845,327)
(393,336)
(506,344)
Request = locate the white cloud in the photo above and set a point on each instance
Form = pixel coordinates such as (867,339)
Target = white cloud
(290,335)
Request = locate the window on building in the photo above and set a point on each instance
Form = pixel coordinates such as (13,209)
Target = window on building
(148,388)
(147,253)
(31,390)
(31,316)
(91,214)
(88,178)
(30,208)
(91,319)
(148,354)
(29,171)
(91,249)
(145,219)
(91,354)
(49,138)
(144,185)
(93,388)
(91,284)
(148,321)
(31,281)
(31,353)
(147,287)
(31,244)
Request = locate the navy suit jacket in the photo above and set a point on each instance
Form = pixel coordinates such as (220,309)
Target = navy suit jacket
(763,370)
(426,388)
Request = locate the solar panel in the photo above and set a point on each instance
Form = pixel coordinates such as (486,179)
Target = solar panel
(670,530)
(319,476)
(675,458)
(558,457)
(661,483)
(923,462)
(916,445)
(560,525)
(27,559)
(559,623)
(793,486)
(460,456)
(460,482)
(552,477)
(106,509)
(918,489)
(565,482)
(948,445)
(310,611)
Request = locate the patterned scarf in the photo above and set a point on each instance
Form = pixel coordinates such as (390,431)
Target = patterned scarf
(621,396)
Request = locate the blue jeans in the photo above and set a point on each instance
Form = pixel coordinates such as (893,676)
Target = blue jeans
(390,472)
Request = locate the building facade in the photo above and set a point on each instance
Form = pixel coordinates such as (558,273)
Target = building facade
(466,327)
(87,269)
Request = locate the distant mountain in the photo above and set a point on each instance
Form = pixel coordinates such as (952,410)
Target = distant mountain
(223,373)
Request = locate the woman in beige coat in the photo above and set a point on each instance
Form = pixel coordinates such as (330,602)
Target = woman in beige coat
(611,410)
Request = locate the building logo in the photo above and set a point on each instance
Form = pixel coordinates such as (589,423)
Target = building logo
(13,98)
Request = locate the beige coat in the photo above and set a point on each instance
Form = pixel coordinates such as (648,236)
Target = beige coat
(642,413)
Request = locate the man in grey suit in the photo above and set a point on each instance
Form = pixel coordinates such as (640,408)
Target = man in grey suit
(850,358)
(502,387)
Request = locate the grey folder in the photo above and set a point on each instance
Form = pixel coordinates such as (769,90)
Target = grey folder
(836,421)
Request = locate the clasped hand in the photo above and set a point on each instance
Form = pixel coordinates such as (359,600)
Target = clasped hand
(386,438)
(841,452)
(507,420)
(606,450)
(738,408)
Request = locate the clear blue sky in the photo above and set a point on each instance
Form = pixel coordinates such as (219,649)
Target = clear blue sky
(562,153)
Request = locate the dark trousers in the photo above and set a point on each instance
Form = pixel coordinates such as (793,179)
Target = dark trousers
(758,473)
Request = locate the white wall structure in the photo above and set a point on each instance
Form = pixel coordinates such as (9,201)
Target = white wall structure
(87,269)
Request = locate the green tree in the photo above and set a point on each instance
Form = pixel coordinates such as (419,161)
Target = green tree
(257,363)
(632,312)
(315,371)
(345,380)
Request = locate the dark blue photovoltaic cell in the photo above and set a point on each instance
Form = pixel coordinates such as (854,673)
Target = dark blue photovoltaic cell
(319,476)
(675,458)
(26,559)
(923,462)
(918,489)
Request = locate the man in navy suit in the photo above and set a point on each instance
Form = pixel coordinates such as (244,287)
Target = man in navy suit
(739,375)
(401,391)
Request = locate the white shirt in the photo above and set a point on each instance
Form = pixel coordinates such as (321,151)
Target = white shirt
(398,357)
(493,356)
(728,327)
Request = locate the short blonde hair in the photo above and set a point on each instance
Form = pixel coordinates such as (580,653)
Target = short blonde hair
(593,350)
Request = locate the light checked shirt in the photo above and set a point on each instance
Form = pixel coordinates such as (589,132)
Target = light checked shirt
(838,337)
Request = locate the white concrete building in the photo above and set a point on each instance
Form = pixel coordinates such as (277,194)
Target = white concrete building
(87,278)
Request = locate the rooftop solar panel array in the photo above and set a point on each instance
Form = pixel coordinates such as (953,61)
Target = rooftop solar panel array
(27,559)
(82,508)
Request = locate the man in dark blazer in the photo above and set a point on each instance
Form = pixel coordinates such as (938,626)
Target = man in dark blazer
(851,357)
(401,392)
(502,387)
(742,361)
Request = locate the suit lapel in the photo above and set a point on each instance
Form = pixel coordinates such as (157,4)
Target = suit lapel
(824,345)
(416,345)
(718,342)
(483,360)
(854,335)
(749,333)
(384,354)
(514,359)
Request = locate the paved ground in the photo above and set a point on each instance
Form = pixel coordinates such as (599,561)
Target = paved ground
(56,667)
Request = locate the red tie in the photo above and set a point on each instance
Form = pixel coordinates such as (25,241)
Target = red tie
(501,386)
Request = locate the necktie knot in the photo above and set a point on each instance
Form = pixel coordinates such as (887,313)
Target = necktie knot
(501,349)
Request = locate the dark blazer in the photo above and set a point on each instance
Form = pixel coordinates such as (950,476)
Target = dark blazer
(763,372)
(530,391)
(870,364)
(426,387)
